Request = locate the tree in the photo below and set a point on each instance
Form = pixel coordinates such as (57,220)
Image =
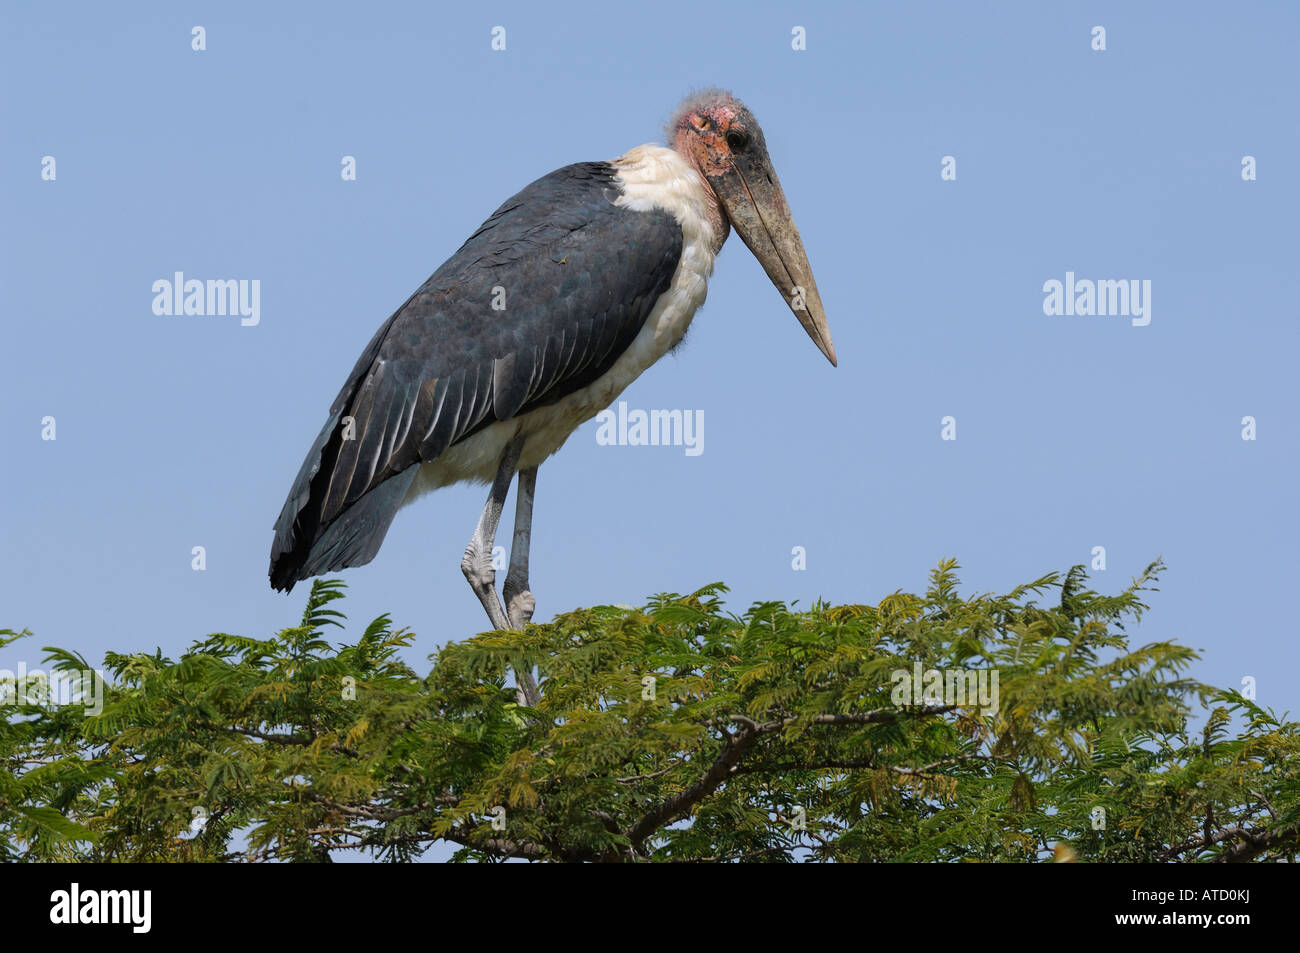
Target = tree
(673,732)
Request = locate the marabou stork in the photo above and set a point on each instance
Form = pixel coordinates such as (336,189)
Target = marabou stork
(601,266)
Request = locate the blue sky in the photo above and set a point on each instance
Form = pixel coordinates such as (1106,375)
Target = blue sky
(1072,431)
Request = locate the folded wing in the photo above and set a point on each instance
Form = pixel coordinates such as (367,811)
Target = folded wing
(537,304)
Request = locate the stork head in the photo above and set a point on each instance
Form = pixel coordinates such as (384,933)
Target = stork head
(717,134)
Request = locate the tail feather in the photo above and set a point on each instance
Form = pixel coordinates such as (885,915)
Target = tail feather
(303,548)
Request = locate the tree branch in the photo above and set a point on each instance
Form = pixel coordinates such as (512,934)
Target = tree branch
(1254,843)
(735,747)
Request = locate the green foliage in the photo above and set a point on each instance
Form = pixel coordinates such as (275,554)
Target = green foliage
(673,732)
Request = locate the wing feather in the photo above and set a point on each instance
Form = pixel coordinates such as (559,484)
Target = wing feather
(580,276)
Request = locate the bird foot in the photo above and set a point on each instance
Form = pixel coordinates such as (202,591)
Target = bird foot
(519,608)
(477,567)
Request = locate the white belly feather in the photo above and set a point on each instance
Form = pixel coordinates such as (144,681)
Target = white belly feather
(651,176)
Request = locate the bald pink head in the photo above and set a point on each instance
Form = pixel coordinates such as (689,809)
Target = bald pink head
(706,125)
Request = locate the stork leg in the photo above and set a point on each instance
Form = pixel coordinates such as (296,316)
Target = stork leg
(477,564)
(519,599)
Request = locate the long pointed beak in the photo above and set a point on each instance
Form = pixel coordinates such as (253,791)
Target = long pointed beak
(751,194)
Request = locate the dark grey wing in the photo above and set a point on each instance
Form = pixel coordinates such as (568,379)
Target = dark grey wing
(577,276)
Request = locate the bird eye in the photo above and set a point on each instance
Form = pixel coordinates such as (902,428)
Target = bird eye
(700,122)
(737,140)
